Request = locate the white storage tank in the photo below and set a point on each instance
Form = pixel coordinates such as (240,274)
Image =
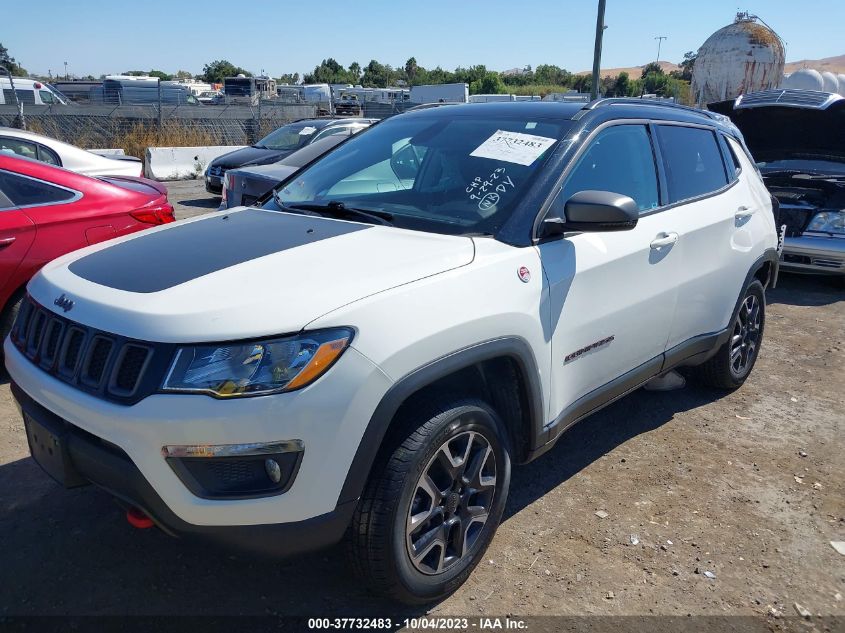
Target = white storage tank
(745,56)
(830,82)
(804,79)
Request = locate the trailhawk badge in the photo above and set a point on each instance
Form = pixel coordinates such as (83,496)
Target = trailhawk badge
(64,303)
(524,274)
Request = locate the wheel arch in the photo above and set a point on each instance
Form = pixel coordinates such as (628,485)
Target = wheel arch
(503,371)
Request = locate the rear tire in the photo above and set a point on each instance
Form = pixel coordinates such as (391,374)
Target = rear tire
(732,364)
(433,501)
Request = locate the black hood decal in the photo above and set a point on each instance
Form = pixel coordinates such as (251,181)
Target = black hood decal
(167,258)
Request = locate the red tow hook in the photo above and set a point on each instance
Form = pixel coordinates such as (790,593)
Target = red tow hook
(138,519)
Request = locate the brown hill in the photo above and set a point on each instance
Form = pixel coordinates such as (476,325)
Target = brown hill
(833,64)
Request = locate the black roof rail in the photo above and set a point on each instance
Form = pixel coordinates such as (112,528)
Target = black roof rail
(608,101)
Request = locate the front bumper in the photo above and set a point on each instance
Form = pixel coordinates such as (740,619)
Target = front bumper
(814,255)
(329,417)
(214,184)
(109,467)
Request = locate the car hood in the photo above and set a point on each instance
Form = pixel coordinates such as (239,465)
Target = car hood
(270,172)
(775,132)
(249,156)
(247,273)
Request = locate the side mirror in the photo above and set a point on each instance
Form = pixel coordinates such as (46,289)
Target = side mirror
(594,211)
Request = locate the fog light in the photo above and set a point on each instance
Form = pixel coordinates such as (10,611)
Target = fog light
(274,471)
(236,471)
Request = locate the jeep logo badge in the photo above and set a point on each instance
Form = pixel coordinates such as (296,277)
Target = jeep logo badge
(64,303)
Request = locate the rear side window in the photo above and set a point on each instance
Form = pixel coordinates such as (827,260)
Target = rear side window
(694,165)
(27,149)
(46,155)
(620,159)
(24,191)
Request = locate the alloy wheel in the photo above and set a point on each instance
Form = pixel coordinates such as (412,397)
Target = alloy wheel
(746,335)
(451,503)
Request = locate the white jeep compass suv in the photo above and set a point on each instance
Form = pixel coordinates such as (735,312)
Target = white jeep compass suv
(434,300)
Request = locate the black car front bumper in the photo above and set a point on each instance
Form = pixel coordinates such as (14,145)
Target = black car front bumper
(88,459)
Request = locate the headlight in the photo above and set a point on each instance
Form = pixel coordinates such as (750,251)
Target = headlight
(828,222)
(256,367)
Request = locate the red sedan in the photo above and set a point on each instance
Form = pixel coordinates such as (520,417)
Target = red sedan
(48,211)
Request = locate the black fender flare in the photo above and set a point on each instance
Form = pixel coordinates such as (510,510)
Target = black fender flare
(512,347)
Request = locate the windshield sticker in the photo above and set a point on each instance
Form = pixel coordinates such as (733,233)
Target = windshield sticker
(307,130)
(513,147)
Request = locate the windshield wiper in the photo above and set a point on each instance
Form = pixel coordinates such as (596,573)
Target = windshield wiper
(337,208)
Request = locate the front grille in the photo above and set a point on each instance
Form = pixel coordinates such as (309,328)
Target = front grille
(104,364)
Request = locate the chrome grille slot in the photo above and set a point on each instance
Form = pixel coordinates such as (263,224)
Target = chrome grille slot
(96,360)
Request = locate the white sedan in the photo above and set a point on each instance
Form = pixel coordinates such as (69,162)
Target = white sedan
(54,152)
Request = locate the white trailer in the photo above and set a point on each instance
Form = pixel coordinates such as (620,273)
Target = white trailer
(440,93)
(488,98)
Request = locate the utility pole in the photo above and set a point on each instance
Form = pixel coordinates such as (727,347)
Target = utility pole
(659,39)
(66,75)
(600,27)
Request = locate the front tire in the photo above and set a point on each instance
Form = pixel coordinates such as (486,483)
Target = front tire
(432,505)
(732,364)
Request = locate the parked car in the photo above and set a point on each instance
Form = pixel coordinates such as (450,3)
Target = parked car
(427,304)
(348,105)
(211,97)
(798,140)
(278,144)
(29,92)
(242,187)
(54,152)
(47,211)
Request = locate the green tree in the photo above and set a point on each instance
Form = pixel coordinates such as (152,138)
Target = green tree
(215,72)
(651,68)
(489,83)
(411,68)
(685,72)
(622,85)
(288,78)
(9,62)
(183,74)
(355,71)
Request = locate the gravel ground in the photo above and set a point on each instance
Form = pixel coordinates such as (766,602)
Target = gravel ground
(748,487)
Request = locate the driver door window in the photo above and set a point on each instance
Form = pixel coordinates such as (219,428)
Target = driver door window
(620,159)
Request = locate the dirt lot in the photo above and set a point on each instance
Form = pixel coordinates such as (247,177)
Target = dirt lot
(749,486)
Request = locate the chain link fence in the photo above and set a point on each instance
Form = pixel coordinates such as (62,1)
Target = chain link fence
(134,127)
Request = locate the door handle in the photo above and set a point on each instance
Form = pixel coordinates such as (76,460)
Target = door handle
(664,239)
(6,241)
(743,213)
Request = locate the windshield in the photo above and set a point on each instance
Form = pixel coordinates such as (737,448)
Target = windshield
(289,137)
(804,165)
(462,175)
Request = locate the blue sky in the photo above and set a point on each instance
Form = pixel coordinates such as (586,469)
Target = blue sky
(96,36)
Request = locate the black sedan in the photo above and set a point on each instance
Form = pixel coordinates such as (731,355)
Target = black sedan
(279,144)
(243,186)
